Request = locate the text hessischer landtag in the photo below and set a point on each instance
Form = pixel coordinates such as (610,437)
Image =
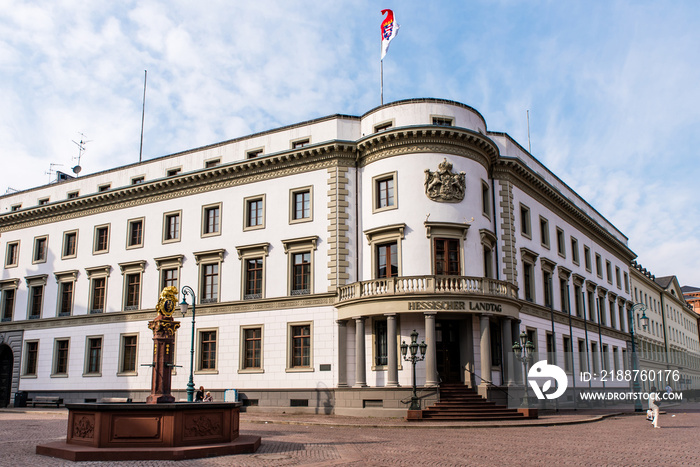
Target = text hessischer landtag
(454,305)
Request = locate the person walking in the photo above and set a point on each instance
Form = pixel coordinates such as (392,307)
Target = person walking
(653,404)
(199,397)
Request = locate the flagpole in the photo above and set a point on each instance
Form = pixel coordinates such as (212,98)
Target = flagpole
(381,80)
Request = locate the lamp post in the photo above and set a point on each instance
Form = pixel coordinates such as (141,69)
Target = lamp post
(523,352)
(413,358)
(186,290)
(644,321)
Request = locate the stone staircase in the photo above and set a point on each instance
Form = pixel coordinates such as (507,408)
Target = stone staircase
(458,402)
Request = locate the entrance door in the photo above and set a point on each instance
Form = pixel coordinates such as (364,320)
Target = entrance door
(5,375)
(448,361)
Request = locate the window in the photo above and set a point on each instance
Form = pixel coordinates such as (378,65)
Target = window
(485,199)
(528,282)
(254,213)
(60,357)
(525,228)
(447,256)
(601,310)
(566,340)
(594,357)
(16,207)
(97,300)
(383,126)
(169,267)
(547,284)
(544,232)
(606,358)
(40,249)
(210,283)
(103,188)
(253,278)
(550,348)
(616,358)
(12,254)
(8,289)
(300,143)
(70,244)
(627,283)
(31,357)
(135,233)
(128,353)
(488,262)
(171,227)
(582,356)
(443,121)
(252,154)
(300,208)
(133,291)
(300,346)
(618,282)
(211,220)
(36,286)
(66,285)
(73,194)
(598,265)
(251,352)
(173,172)
(574,250)
(101,243)
(212,163)
(561,245)
(578,297)
(207,350)
(137,180)
(380,343)
(387,260)
(564,295)
(608,271)
(301,273)
(43,201)
(384,187)
(587,257)
(209,269)
(93,356)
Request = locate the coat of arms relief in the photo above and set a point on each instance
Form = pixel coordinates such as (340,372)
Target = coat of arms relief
(444,185)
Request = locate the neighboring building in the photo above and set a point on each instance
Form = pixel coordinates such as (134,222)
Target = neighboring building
(670,342)
(314,250)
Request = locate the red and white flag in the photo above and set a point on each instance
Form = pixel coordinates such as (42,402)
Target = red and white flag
(389,30)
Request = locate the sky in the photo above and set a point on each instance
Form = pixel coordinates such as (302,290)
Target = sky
(612,88)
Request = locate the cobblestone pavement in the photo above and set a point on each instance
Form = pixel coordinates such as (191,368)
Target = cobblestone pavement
(339,441)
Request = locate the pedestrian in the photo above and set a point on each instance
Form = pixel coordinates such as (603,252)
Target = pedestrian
(208,397)
(199,397)
(653,405)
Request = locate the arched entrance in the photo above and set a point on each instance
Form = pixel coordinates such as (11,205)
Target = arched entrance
(5,375)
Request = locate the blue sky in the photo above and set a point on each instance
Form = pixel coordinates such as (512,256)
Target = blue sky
(611,86)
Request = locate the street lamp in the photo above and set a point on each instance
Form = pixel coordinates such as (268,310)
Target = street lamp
(644,321)
(413,358)
(186,290)
(523,353)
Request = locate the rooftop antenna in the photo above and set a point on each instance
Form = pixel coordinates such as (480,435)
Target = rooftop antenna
(529,149)
(143,112)
(11,190)
(51,171)
(81,150)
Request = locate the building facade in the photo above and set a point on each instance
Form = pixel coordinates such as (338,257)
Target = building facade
(314,250)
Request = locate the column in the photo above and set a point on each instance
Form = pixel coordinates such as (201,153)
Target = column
(485,346)
(508,351)
(342,353)
(360,368)
(392,376)
(431,376)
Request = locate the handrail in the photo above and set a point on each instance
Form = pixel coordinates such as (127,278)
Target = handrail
(406,285)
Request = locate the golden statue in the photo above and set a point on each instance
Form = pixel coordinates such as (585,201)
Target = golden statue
(167,301)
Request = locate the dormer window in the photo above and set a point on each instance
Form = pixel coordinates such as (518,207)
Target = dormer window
(383,126)
(300,143)
(254,153)
(443,121)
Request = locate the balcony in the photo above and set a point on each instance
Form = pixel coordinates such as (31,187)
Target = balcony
(407,285)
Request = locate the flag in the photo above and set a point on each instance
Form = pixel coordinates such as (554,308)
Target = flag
(389,30)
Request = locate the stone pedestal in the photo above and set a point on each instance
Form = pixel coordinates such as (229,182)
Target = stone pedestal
(124,431)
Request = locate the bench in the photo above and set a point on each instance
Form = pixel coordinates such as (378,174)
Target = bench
(113,400)
(47,400)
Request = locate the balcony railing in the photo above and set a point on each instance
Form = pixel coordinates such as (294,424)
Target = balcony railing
(427,285)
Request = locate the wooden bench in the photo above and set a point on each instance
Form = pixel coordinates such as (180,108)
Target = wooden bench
(47,400)
(112,400)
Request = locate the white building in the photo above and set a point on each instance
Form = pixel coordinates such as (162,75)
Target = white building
(313,250)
